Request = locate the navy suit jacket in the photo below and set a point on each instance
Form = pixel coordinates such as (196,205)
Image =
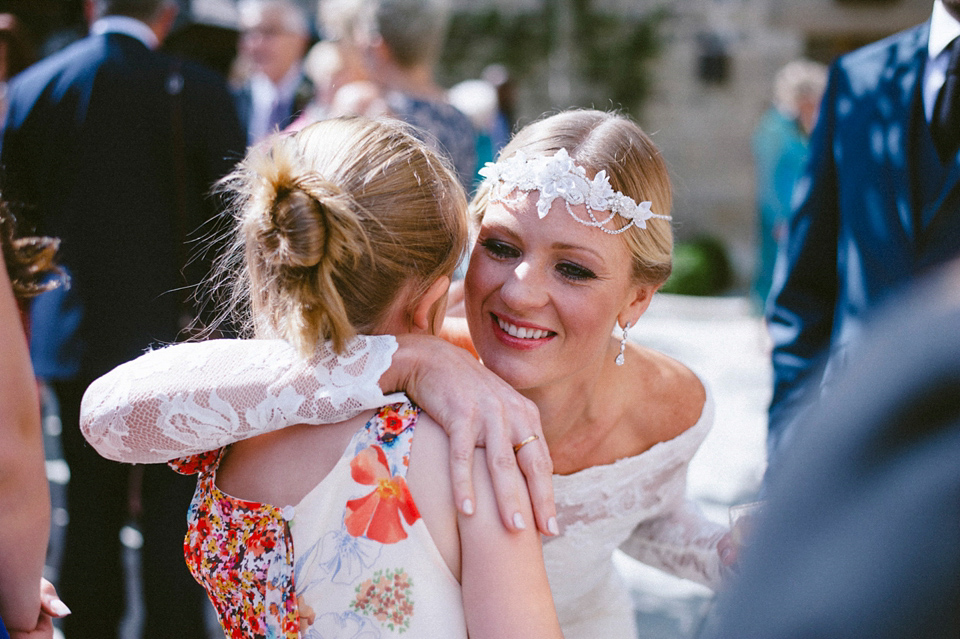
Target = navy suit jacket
(113,148)
(874,209)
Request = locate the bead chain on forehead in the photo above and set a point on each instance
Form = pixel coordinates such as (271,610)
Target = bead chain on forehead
(558,176)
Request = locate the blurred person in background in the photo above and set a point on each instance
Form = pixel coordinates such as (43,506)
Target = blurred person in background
(334,62)
(26,611)
(112,146)
(781,144)
(274,36)
(401,41)
(878,205)
(16,54)
(477,99)
(329,69)
(859,536)
(498,76)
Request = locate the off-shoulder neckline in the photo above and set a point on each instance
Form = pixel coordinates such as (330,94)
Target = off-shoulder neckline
(696,432)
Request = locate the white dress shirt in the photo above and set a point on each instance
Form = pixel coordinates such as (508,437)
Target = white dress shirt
(127,26)
(265,95)
(943,29)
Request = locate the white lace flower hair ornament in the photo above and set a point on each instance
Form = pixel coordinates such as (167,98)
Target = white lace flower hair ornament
(558,176)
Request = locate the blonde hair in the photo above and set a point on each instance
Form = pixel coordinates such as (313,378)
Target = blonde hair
(333,225)
(603,141)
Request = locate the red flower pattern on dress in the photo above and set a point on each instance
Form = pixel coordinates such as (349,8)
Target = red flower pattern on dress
(242,553)
(377,515)
(392,423)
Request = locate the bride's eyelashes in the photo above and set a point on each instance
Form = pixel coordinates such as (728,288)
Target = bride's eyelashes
(574,272)
(500,250)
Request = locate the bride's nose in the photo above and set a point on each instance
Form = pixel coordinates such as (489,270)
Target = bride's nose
(524,288)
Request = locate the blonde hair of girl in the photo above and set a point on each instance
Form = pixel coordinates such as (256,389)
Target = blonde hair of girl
(334,225)
(604,141)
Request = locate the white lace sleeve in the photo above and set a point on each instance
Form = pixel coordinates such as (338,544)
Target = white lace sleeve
(189,398)
(682,542)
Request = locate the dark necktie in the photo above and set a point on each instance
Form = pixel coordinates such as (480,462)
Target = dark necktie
(279,113)
(945,124)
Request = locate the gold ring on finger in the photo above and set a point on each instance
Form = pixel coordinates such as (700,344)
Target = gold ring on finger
(529,439)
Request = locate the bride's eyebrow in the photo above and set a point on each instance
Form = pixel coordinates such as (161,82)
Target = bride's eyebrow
(499,227)
(563,246)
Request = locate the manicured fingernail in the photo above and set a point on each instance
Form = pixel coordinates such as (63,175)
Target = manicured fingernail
(552,526)
(518,522)
(467,507)
(59,608)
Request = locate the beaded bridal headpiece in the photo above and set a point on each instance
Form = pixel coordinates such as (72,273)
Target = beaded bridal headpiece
(558,176)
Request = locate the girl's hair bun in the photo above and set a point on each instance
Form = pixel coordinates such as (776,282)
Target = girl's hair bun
(293,233)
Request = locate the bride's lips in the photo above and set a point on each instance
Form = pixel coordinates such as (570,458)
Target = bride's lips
(519,334)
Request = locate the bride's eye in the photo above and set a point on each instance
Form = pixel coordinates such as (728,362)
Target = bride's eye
(499,250)
(575,272)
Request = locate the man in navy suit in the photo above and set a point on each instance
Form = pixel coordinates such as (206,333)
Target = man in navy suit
(273,40)
(113,146)
(878,206)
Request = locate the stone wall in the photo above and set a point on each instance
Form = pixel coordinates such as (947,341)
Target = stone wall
(704,127)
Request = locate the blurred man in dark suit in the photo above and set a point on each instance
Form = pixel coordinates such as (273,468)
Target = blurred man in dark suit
(113,147)
(860,536)
(274,35)
(879,205)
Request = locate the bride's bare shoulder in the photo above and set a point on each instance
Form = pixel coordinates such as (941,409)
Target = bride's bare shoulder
(674,397)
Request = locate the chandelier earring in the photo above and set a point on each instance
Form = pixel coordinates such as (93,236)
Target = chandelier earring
(623,344)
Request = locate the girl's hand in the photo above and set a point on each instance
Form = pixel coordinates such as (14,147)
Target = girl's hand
(50,607)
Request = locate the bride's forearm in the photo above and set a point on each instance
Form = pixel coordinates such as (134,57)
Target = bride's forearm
(189,398)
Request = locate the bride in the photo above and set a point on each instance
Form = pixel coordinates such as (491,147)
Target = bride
(573,241)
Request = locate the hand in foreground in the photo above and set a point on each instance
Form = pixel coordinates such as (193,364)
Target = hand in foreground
(50,607)
(731,545)
(477,408)
(728,551)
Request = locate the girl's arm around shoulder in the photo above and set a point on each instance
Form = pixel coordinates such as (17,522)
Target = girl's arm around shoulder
(503,580)
(505,588)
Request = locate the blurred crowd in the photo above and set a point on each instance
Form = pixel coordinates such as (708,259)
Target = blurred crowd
(857,201)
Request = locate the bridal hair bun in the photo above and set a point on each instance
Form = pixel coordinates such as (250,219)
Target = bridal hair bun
(293,234)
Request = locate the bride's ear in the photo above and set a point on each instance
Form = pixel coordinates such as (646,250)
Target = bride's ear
(637,304)
(427,313)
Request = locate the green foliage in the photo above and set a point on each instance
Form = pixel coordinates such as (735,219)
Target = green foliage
(615,52)
(700,267)
(610,56)
(477,39)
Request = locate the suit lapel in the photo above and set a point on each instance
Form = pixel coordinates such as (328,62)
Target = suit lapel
(951,182)
(936,208)
(900,90)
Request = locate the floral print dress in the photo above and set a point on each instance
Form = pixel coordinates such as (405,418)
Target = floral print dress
(354,555)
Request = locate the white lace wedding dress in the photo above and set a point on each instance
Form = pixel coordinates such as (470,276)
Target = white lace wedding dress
(190,398)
